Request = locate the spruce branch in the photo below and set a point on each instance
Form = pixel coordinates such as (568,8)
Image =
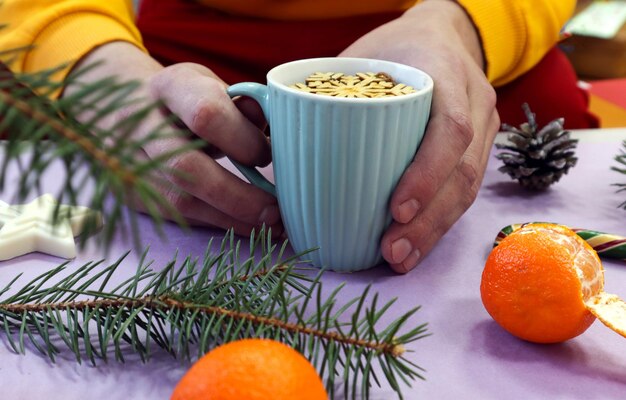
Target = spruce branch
(621,158)
(108,161)
(189,307)
(41,131)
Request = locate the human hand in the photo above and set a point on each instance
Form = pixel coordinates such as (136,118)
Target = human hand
(442,181)
(203,192)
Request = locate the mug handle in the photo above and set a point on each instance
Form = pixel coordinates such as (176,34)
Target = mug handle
(260,94)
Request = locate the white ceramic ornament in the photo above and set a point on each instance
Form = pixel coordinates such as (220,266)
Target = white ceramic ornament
(27,228)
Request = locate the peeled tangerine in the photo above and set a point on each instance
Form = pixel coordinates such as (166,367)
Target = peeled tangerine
(543,283)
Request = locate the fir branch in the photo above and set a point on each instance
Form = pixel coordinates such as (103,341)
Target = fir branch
(203,303)
(88,146)
(621,158)
(41,130)
(172,304)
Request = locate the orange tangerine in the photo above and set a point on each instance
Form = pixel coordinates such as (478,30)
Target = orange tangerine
(543,283)
(251,369)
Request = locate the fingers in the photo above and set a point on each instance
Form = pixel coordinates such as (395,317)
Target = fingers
(252,110)
(227,210)
(197,212)
(448,135)
(483,98)
(448,197)
(202,190)
(201,102)
(194,184)
(404,245)
(205,180)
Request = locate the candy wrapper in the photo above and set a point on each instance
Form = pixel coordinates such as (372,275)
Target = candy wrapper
(605,244)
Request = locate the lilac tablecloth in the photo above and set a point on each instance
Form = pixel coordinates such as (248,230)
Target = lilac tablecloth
(467,356)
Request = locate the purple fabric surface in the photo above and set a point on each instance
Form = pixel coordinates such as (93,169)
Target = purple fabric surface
(467,356)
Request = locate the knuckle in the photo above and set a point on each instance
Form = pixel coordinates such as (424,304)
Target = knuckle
(470,182)
(491,97)
(494,122)
(178,199)
(429,180)
(160,81)
(456,62)
(126,112)
(488,96)
(175,70)
(243,210)
(183,169)
(461,124)
(468,171)
(468,198)
(431,227)
(205,112)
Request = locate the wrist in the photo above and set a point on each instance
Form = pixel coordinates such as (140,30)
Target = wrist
(119,58)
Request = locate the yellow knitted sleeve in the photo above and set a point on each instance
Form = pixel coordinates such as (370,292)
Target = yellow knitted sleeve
(516,34)
(59,32)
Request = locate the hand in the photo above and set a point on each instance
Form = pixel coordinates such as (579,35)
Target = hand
(213,196)
(442,181)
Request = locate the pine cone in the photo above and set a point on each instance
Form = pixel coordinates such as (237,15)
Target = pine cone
(535,158)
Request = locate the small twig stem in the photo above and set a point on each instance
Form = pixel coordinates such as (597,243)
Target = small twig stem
(109,162)
(150,302)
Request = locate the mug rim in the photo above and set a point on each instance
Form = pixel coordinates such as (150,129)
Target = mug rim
(272,81)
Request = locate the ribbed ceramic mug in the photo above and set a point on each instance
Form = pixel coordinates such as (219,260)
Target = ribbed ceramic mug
(336,160)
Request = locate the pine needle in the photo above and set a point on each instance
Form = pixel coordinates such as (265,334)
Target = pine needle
(41,131)
(186,308)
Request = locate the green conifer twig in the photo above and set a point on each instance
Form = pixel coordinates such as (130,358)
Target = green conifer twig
(88,146)
(202,303)
(41,130)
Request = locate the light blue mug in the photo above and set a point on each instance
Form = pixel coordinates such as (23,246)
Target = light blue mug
(336,160)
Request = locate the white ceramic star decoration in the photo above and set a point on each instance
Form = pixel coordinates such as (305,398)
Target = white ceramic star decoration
(27,228)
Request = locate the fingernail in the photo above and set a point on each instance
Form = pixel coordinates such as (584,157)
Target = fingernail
(400,249)
(410,262)
(270,215)
(408,210)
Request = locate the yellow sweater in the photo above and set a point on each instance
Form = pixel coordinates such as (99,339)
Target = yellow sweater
(515,33)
